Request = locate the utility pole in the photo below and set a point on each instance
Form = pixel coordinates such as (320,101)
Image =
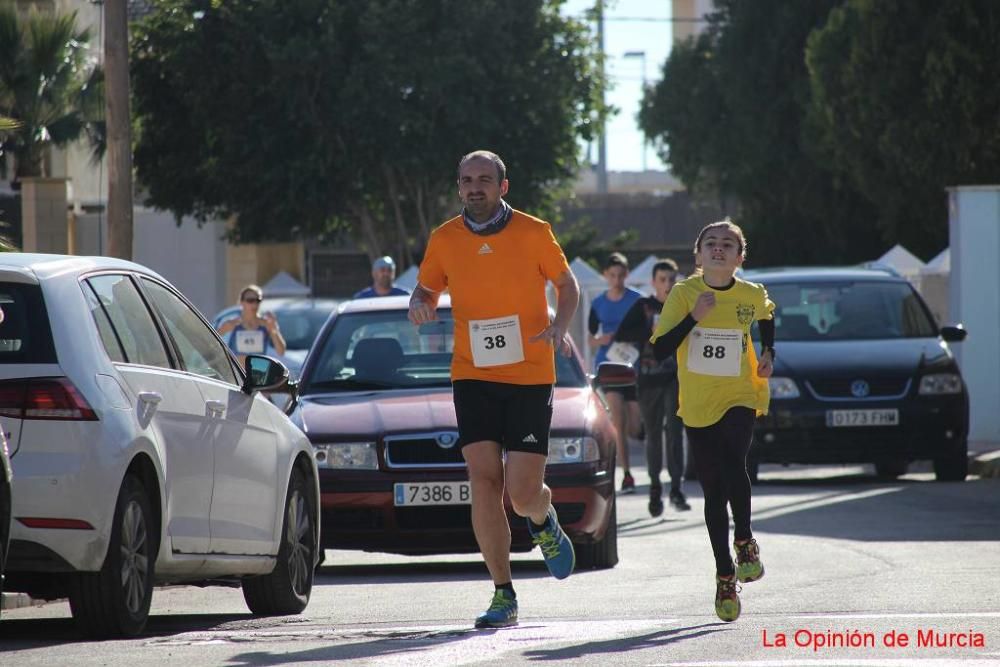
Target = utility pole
(602,144)
(641,55)
(116,100)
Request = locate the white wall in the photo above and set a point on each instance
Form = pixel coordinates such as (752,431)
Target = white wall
(974,300)
(193,258)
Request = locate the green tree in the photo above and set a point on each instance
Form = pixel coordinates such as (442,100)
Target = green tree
(47,84)
(730,116)
(906,100)
(301,117)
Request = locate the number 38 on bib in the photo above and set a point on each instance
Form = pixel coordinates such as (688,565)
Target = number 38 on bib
(496,342)
(715,351)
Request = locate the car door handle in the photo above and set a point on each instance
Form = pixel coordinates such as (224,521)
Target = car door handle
(215,408)
(151,397)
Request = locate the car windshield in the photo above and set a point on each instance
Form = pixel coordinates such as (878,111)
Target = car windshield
(383,350)
(855,310)
(301,326)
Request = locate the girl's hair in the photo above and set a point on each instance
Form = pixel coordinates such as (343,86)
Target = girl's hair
(254,289)
(726,224)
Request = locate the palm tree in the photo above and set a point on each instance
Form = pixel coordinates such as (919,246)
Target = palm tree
(48,86)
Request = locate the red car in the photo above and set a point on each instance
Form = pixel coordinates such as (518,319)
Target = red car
(375,400)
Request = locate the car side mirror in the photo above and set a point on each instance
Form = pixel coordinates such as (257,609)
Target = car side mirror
(613,374)
(954,333)
(264,374)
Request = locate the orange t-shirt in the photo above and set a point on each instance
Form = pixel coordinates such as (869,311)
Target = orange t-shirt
(493,279)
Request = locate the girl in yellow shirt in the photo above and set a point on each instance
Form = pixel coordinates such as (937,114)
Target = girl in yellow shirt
(706,320)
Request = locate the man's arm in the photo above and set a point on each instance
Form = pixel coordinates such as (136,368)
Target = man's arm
(423,305)
(568,298)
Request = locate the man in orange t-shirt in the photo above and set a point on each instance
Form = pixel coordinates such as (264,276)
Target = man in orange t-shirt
(495,261)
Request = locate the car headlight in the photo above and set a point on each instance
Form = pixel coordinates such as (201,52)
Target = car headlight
(573,450)
(347,455)
(782,387)
(941,383)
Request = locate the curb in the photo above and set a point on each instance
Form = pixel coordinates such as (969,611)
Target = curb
(985,465)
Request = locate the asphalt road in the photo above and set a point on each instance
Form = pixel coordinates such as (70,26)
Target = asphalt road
(853,564)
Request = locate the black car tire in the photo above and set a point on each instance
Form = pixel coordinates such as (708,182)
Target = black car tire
(114,602)
(891,468)
(287,588)
(953,468)
(602,554)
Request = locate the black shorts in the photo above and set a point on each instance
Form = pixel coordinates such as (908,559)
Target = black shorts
(628,393)
(515,415)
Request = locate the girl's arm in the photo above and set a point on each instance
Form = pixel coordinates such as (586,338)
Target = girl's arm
(667,344)
(228,326)
(766,336)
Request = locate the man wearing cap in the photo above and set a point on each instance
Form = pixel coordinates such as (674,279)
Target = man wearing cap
(383,273)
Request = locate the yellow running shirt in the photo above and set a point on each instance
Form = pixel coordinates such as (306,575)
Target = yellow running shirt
(716,362)
(497,284)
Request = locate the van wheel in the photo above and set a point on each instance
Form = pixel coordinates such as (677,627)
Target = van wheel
(287,588)
(953,468)
(114,602)
(891,469)
(602,554)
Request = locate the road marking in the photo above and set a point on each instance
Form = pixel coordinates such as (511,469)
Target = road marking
(825,501)
(971,614)
(838,662)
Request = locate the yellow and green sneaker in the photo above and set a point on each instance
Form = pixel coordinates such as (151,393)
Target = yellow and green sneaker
(727,598)
(501,613)
(748,565)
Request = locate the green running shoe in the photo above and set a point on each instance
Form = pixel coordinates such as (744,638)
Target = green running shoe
(502,612)
(558,551)
(748,565)
(727,598)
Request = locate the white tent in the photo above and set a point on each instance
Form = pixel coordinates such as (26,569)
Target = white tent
(283,284)
(592,284)
(902,260)
(940,264)
(641,277)
(408,279)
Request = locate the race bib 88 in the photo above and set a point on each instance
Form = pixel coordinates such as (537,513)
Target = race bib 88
(715,351)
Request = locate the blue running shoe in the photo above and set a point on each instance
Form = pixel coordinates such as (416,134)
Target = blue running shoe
(502,612)
(556,547)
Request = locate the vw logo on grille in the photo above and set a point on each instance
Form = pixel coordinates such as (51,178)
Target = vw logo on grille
(860,389)
(446,440)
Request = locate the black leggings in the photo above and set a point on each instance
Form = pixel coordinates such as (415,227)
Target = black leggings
(720,457)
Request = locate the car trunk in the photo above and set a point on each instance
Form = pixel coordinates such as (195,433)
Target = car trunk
(26,348)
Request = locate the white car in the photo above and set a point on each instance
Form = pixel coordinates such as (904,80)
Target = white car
(142,454)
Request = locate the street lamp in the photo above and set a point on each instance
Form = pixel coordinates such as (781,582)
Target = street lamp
(642,58)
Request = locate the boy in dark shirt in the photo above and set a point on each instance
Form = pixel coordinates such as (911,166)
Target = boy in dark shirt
(657,390)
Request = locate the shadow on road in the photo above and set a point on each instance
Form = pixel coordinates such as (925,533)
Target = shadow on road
(29,633)
(381,643)
(622,645)
(411,572)
(858,506)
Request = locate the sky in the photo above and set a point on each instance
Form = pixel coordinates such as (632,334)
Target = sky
(630,26)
